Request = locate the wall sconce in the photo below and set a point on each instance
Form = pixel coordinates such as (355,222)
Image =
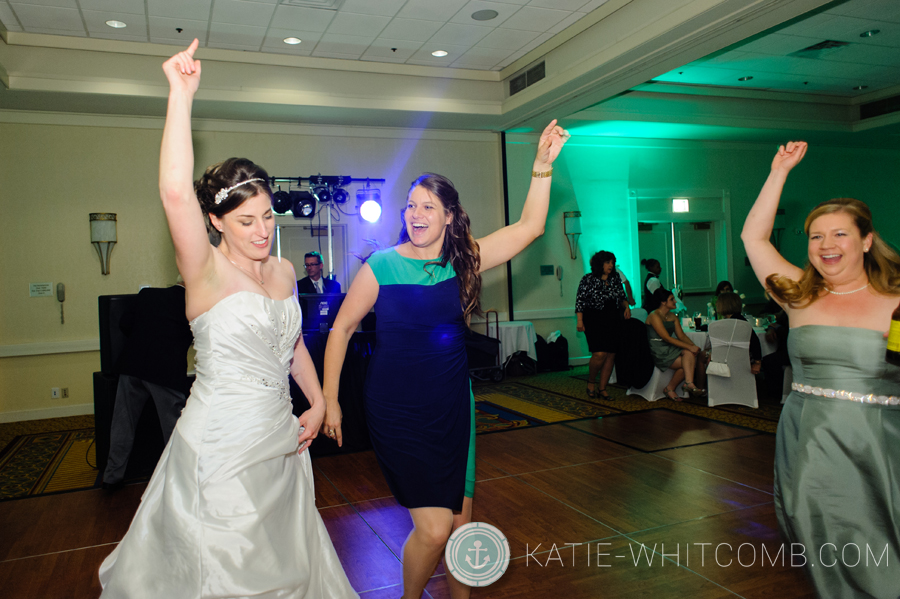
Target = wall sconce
(572,228)
(103,236)
(681,205)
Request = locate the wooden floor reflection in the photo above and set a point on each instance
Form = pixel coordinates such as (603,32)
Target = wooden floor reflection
(657,484)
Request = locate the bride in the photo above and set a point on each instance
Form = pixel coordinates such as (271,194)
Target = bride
(229,511)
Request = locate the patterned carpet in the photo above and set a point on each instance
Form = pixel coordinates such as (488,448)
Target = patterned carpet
(515,405)
(574,383)
(48,462)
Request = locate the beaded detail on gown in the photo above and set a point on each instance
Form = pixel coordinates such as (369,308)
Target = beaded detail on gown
(230,510)
(837,464)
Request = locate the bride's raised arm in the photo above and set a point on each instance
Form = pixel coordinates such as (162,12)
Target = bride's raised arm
(193,252)
(764,257)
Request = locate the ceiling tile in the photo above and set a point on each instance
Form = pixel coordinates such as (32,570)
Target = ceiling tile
(860,55)
(460,35)
(162,27)
(423,55)
(536,42)
(383,8)
(135,7)
(570,20)
(507,39)
(410,29)
(431,10)
(504,11)
(481,58)
(96,23)
(177,41)
(223,35)
(238,12)
(48,17)
(197,10)
(361,25)
(778,44)
(50,31)
(382,49)
(303,19)
(345,45)
(592,5)
(535,19)
(308,39)
(298,50)
(114,34)
(226,46)
(57,3)
(558,4)
(8,17)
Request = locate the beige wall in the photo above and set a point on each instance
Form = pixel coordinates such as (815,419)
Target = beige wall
(55,169)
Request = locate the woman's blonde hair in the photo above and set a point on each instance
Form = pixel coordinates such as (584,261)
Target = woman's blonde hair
(881,262)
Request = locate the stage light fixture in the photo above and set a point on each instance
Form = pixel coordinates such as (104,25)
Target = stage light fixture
(322,194)
(340,195)
(303,204)
(368,203)
(281,202)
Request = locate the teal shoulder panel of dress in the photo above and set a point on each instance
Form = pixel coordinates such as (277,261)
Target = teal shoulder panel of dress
(390,268)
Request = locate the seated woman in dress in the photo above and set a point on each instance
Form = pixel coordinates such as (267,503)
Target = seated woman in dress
(729,305)
(670,347)
(836,458)
(599,307)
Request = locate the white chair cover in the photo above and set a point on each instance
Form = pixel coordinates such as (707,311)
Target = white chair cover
(653,390)
(639,313)
(732,337)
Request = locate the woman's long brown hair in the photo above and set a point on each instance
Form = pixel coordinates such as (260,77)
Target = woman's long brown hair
(881,262)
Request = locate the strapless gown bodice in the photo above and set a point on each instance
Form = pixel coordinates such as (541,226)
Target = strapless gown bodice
(837,467)
(230,510)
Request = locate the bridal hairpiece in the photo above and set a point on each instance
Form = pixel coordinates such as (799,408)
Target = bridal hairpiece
(223,193)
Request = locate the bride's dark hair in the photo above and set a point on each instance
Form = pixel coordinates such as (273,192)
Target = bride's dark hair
(460,248)
(223,175)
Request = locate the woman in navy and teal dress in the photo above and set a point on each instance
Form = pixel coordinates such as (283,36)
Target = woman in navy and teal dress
(419,404)
(837,466)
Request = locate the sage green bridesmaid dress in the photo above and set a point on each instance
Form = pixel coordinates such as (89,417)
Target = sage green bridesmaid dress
(837,462)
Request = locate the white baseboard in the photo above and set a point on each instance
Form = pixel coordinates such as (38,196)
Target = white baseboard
(49,347)
(43,414)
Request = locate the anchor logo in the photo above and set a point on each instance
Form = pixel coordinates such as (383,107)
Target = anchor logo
(477,554)
(477,549)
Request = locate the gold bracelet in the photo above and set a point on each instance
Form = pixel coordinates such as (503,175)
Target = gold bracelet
(543,175)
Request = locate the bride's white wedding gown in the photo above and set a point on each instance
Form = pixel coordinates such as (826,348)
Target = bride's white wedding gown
(230,510)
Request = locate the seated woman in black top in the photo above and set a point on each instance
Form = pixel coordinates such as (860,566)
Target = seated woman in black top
(728,305)
(599,306)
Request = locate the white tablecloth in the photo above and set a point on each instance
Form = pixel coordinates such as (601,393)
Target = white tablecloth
(515,336)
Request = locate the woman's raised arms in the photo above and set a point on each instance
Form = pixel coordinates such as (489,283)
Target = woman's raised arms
(764,258)
(501,245)
(193,252)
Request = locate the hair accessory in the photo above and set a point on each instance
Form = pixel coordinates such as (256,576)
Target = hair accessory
(223,193)
(543,175)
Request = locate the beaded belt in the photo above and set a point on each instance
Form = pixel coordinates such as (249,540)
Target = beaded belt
(885,400)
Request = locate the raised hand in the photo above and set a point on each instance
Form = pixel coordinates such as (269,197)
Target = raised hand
(552,140)
(789,156)
(182,71)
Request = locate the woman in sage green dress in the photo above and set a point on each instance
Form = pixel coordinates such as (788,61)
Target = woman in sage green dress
(671,348)
(837,464)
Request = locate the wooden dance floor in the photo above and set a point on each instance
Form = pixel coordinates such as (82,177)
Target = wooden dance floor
(664,504)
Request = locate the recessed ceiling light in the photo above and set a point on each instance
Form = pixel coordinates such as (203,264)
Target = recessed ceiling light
(439,53)
(747,78)
(292,40)
(116,24)
(870,33)
(484,15)
(860,87)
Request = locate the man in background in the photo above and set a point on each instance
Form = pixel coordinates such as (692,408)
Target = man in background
(314,282)
(153,365)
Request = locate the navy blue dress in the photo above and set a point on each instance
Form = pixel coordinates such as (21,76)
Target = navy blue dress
(418,396)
